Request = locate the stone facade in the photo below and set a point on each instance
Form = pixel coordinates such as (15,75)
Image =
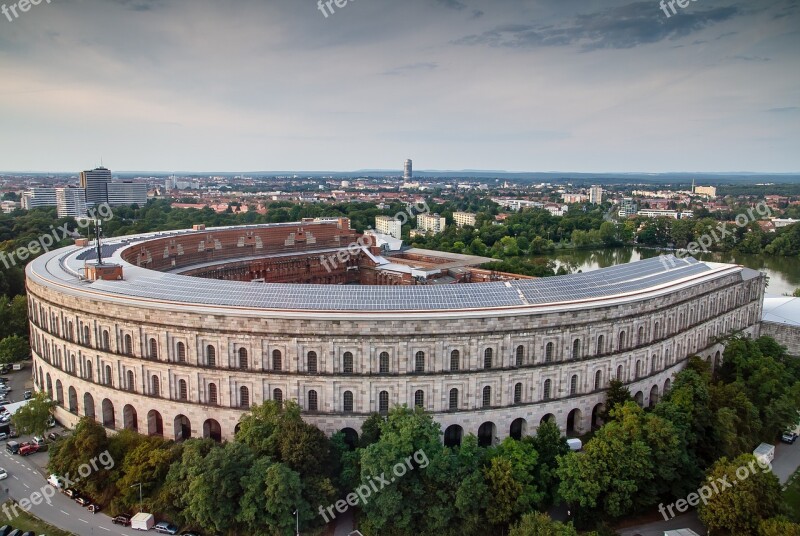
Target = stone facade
(180,372)
(787,335)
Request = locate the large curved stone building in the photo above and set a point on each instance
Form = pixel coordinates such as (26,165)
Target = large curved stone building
(135,342)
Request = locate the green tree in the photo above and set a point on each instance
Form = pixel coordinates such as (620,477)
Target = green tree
(13,349)
(550,445)
(32,418)
(738,509)
(272,493)
(778,527)
(70,456)
(617,395)
(540,524)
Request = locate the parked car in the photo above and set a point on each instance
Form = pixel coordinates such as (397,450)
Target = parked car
(12,447)
(27,449)
(93,508)
(122,519)
(163,527)
(53,436)
(5,529)
(789,437)
(71,493)
(3,436)
(83,501)
(189,533)
(28,533)
(3,474)
(27,395)
(15,532)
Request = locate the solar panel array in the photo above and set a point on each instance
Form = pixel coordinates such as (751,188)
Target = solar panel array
(606,282)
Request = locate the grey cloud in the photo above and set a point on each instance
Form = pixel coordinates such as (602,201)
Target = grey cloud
(452,4)
(412,68)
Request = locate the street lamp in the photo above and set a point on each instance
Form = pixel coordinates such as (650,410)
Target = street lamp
(140,494)
(297,520)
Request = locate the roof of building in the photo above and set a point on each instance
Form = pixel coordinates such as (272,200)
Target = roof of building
(614,285)
(781,310)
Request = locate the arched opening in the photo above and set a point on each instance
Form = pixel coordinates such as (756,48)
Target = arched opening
(155,425)
(183,428)
(312,362)
(667,384)
(455,359)
(153,349)
(212,430)
(181,353)
(597,420)
(548,352)
(277,396)
(547,390)
(155,386)
(487,358)
(518,428)
(109,419)
(639,398)
(576,349)
(49,387)
(486,434)
(73,400)
(88,406)
(128,345)
(211,356)
(131,381)
(347,402)
(213,399)
(520,356)
(383,402)
(183,390)
(350,437)
(347,363)
(59,393)
(243,363)
(130,418)
(487,397)
(383,363)
(453,435)
(419,362)
(600,345)
(419,399)
(574,425)
(244,397)
(313,402)
(518,393)
(653,396)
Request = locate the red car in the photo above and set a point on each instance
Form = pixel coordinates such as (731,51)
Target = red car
(28,448)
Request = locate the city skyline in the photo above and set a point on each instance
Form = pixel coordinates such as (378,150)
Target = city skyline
(459,85)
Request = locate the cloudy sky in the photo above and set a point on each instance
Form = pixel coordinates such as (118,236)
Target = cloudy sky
(537,85)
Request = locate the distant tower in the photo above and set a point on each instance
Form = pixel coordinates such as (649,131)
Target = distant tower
(95,182)
(408,172)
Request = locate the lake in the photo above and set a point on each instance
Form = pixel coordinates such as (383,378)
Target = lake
(783,272)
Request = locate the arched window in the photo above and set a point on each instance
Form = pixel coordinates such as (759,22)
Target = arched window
(347,363)
(419,362)
(573,385)
(312,362)
(518,393)
(243,358)
(547,389)
(576,349)
(128,345)
(89,371)
(487,396)
(181,353)
(548,353)
(383,363)
(453,399)
(211,356)
(455,358)
(87,340)
(108,375)
(312,401)
(656,328)
(131,381)
(598,379)
(106,340)
(277,360)
(419,399)
(487,358)
(71,330)
(640,339)
(621,340)
(213,399)
(601,345)
(348,402)
(153,349)
(619,373)
(277,396)
(638,369)
(520,355)
(244,397)
(183,390)
(383,402)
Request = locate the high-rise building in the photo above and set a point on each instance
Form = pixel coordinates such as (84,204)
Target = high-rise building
(408,170)
(596,194)
(464,218)
(389,226)
(430,223)
(126,193)
(706,191)
(39,197)
(628,208)
(95,182)
(71,201)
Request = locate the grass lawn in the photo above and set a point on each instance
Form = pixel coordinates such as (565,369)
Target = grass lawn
(792,496)
(26,521)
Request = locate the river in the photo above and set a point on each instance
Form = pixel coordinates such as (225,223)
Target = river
(783,272)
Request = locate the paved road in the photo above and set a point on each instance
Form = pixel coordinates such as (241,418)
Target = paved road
(787,460)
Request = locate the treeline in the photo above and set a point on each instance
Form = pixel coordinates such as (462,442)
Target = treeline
(705,425)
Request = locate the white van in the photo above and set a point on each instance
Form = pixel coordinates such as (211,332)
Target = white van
(574,444)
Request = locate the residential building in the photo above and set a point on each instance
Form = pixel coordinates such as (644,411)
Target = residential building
(389,226)
(628,208)
(464,218)
(408,170)
(430,223)
(596,194)
(706,191)
(126,193)
(71,201)
(658,213)
(555,209)
(574,198)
